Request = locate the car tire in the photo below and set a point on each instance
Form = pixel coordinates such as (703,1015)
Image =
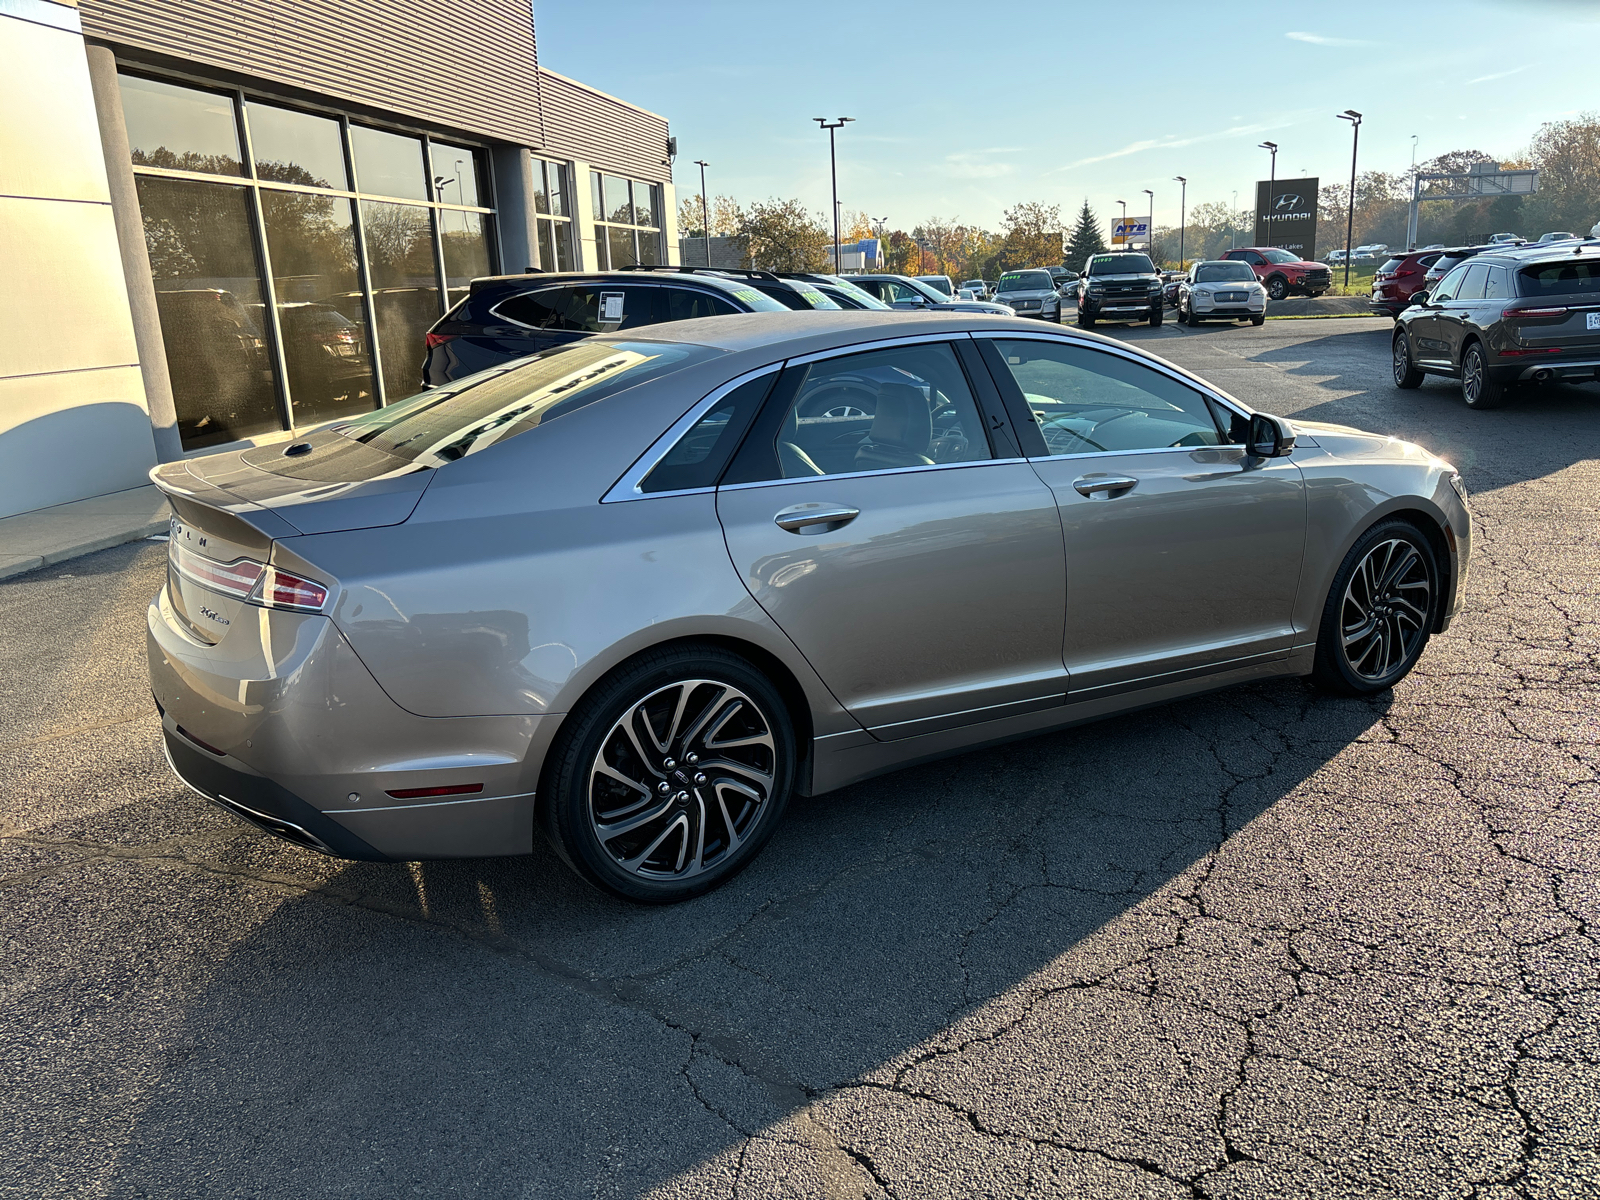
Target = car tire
(1261,320)
(1379,612)
(1277,288)
(1477,389)
(717,810)
(1188,318)
(1085,320)
(1156,317)
(1406,374)
(1058,314)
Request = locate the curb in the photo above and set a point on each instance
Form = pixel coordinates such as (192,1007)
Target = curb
(21,565)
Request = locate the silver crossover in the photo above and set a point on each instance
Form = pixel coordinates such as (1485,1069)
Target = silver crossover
(637,591)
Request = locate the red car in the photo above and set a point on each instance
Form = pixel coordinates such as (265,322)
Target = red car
(1399,279)
(1283,272)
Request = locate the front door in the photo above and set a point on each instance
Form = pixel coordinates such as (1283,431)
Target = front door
(1183,552)
(922,577)
(1430,343)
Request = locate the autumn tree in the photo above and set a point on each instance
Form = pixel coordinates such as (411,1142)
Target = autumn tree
(1085,239)
(1567,154)
(855,226)
(1032,235)
(785,237)
(724,212)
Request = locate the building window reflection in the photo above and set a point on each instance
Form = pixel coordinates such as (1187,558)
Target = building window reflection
(359,264)
(553,211)
(627,230)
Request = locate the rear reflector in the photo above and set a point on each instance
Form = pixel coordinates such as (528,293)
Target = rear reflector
(206,746)
(454,789)
(436,339)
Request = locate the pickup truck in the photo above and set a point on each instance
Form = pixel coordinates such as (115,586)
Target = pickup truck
(1283,273)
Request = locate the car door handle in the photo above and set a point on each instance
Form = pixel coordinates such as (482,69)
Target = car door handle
(803,516)
(1088,485)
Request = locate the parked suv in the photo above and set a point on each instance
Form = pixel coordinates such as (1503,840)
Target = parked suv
(1031,293)
(837,288)
(1282,272)
(903,292)
(1120,286)
(508,317)
(1505,317)
(1448,261)
(1399,279)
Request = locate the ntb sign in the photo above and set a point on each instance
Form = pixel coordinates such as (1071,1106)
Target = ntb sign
(1129,229)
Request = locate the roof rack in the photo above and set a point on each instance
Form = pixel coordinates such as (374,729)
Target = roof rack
(732,272)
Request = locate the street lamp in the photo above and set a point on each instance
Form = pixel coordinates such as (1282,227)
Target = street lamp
(1183,196)
(877,227)
(1233,227)
(833,166)
(1150,227)
(705,208)
(1124,204)
(1272,175)
(1354,118)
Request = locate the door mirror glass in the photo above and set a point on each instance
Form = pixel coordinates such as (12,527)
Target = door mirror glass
(1270,437)
(1419,297)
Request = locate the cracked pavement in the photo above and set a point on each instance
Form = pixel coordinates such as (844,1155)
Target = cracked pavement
(1259,944)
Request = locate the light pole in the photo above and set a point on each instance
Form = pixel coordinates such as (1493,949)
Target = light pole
(833,167)
(1233,225)
(1150,226)
(877,227)
(1124,219)
(1354,118)
(1272,171)
(1411,217)
(1183,196)
(705,208)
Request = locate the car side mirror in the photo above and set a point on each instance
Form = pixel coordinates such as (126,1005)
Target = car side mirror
(1270,437)
(1419,297)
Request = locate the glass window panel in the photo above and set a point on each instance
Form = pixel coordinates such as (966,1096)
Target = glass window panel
(466,250)
(649,248)
(595,202)
(556,178)
(547,247)
(180,128)
(620,247)
(388,164)
(601,250)
(644,204)
(405,289)
(208,297)
(618,207)
(296,147)
(455,174)
(542,173)
(555,245)
(311,244)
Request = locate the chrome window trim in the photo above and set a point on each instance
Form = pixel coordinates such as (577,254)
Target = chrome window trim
(627,488)
(1189,381)
(801,360)
(977,462)
(1124,453)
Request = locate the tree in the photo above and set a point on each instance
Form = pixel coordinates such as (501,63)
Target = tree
(726,216)
(1085,239)
(941,241)
(854,226)
(1032,235)
(1567,154)
(785,237)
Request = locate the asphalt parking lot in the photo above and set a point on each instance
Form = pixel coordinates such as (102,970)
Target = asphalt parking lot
(1261,944)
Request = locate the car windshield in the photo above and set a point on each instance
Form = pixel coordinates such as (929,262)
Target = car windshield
(1025,281)
(1279,256)
(808,292)
(1560,278)
(1121,264)
(860,295)
(1223,272)
(447,423)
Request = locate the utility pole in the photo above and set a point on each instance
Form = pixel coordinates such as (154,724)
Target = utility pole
(883,253)
(1354,118)
(1150,226)
(1183,196)
(833,166)
(1411,216)
(705,208)
(1233,226)
(1272,171)
(1124,220)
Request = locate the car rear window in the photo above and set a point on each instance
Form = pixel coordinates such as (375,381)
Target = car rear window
(439,426)
(1559,278)
(1390,267)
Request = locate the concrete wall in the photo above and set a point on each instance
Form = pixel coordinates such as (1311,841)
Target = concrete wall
(73,416)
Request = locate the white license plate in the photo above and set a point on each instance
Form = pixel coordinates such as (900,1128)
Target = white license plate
(1592,320)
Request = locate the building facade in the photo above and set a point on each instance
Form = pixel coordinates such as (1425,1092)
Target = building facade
(225,220)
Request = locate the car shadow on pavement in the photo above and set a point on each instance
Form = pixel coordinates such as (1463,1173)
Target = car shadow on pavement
(497,1026)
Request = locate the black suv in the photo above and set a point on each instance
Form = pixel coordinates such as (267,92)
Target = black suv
(1120,286)
(1504,317)
(505,317)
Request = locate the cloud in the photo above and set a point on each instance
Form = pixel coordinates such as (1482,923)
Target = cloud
(1499,74)
(1169,142)
(973,166)
(1319,39)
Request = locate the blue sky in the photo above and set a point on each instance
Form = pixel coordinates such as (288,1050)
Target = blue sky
(963,109)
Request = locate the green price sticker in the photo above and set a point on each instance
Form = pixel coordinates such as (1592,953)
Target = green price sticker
(748,295)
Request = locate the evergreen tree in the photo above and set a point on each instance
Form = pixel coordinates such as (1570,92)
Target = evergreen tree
(1085,239)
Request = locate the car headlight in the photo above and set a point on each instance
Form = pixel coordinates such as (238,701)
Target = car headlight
(1458,485)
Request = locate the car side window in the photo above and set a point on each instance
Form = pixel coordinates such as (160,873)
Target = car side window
(697,458)
(871,286)
(583,308)
(1496,286)
(1254,259)
(685,304)
(534,308)
(908,406)
(900,293)
(1087,401)
(1448,285)
(1472,283)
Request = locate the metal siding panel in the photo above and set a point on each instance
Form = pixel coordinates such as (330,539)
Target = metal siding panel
(483,79)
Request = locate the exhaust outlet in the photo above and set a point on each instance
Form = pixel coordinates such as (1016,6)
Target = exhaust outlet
(1543,375)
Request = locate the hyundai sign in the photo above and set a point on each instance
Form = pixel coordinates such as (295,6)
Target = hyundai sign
(1286,215)
(1130,229)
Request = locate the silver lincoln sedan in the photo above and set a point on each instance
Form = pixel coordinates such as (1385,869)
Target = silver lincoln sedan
(637,591)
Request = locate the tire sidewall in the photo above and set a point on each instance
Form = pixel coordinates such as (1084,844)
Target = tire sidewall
(1331,670)
(564,798)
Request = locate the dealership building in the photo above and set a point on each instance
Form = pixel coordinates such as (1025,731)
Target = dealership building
(223,220)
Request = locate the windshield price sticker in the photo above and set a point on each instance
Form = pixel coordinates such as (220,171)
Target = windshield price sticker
(748,295)
(1592,320)
(813,298)
(611,306)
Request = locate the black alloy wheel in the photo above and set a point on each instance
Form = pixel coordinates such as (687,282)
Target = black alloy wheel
(1379,612)
(1277,288)
(1406,374)
(672,775)
(1477,389)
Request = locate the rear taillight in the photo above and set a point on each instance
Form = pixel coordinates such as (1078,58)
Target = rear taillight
(282,590)
(452,789)
(246,579)
(1554,311)
(1406,271)
(1532,350)
(437,339)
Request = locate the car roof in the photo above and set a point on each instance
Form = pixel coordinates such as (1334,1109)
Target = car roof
(555,278)
(804,332)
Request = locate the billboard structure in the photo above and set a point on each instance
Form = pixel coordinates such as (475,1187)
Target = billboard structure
(1127,230)
(1482,181)
(1286,215)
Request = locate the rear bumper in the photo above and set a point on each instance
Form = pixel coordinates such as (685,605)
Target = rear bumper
(1523,370)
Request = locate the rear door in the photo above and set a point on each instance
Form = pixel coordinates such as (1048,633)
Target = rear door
(914,560)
